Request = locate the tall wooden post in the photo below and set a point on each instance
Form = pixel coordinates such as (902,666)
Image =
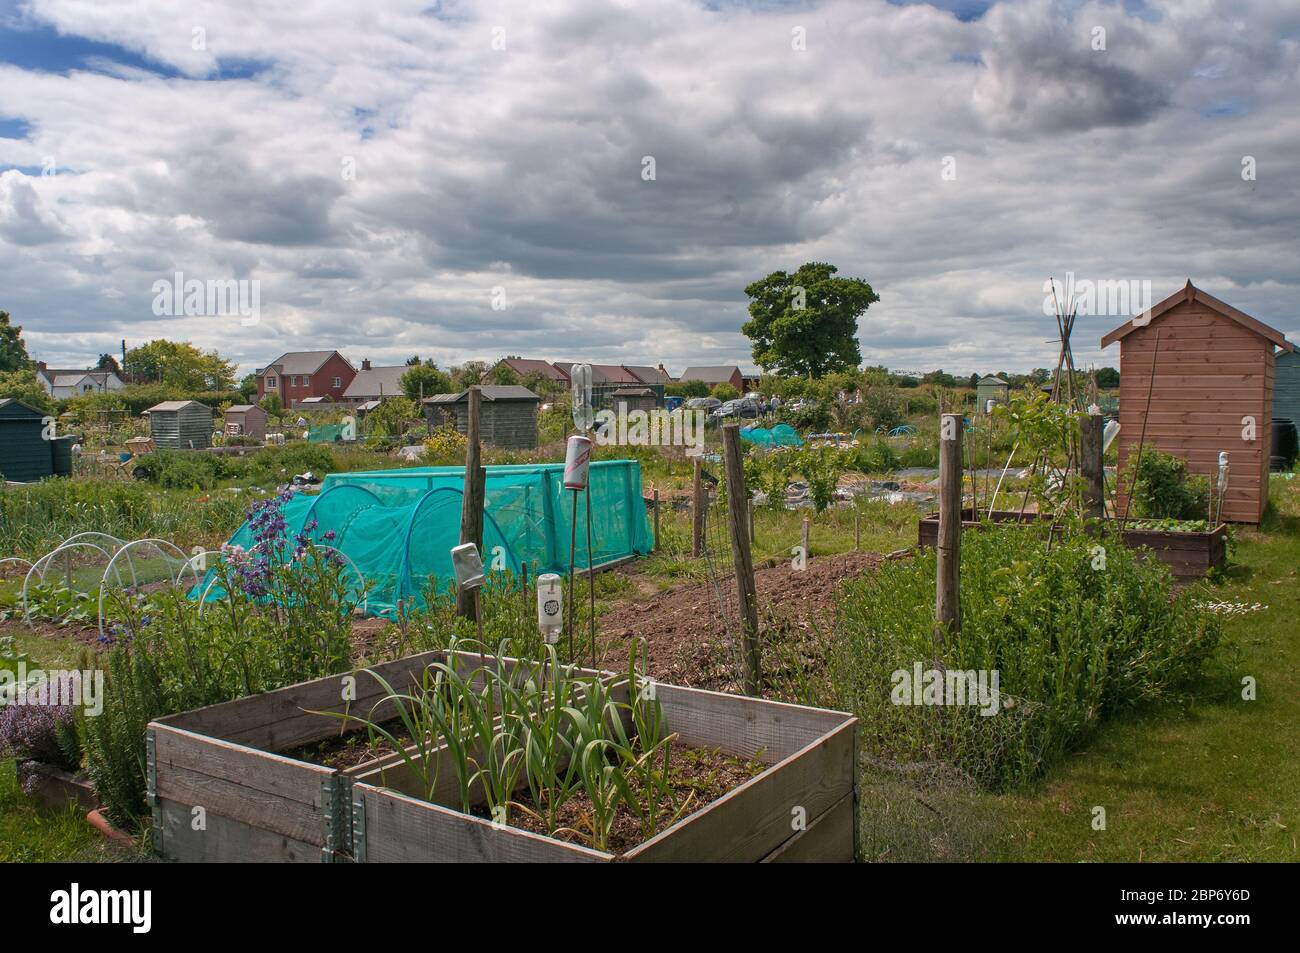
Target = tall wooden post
(698,504)
(947,605)
(656,505)
(1092,428)
(471,507)
(804,542)
(746,588)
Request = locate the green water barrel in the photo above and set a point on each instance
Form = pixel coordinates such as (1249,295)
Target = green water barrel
(61,447)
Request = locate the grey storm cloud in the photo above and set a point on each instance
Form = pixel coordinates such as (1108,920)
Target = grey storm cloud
(389,167)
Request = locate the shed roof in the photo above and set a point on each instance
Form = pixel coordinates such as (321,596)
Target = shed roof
(991,379)
(169,405)
(243,408)
(13,407)
(1190,293)
(633,392)
(490,392)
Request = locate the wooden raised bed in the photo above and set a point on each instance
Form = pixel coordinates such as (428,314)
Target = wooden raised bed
(55,788)
(260,805)
(1188,555)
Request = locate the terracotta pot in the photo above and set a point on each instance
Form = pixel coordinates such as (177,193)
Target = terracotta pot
(101,824)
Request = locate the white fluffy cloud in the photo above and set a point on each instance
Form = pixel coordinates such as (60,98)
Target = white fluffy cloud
(520,168)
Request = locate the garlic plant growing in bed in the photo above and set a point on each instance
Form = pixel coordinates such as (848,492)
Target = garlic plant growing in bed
(539,728)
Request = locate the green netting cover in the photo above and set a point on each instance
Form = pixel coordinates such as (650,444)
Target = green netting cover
(398,526)
(326,433)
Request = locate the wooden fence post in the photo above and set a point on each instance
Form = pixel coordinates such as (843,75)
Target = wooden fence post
(697,510)
(656,504)
(857,532)
(947,605)
(746,588)
(804,541)
(471,507)
(1092,428)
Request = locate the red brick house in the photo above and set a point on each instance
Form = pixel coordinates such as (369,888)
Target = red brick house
(298,375)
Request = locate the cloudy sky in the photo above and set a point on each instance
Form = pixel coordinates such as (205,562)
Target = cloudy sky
(614,172)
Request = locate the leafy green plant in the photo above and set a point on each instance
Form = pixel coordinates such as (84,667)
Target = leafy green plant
(1162,489)
(1072,643)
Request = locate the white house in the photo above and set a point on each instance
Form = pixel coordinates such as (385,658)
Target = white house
(71,382)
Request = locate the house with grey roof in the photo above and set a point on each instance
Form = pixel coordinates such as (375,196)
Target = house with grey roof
(69,382)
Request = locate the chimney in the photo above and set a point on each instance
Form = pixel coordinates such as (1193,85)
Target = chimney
(661,369)
(365,365)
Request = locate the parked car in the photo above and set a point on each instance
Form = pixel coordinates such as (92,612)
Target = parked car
(743,408)
(703,403)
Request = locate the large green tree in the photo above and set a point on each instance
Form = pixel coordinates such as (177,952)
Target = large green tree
(180,364)
(13,352)
(425,380)
(806,323)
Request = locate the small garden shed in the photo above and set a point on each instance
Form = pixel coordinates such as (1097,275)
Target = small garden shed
(633,398)
(248,419)
(180,425)
(507,415)
(25,454)
(990,389)
(1198,374)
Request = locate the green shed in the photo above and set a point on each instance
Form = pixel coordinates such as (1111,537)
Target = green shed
(1286,386)
(507,415)
(988,389)
(25,454)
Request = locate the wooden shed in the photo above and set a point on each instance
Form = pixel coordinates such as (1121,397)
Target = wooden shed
(628,399)
(507,416)
(1209,371)
(247,420)
(990,389)
(180,425)
(1286,388)
(25,454)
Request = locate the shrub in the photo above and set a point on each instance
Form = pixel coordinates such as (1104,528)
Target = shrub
(445,445)
(1071,644)
(1163,489)
(883,407)
(724,392)
(34,727)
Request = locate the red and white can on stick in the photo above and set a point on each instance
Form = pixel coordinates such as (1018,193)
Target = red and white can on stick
(577,459)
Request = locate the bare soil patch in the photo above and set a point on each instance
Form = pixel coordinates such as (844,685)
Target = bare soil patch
(683,630)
